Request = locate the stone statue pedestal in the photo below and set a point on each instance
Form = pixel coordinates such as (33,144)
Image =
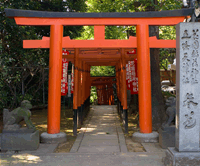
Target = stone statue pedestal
(21,139)
(173,158)
(167,137)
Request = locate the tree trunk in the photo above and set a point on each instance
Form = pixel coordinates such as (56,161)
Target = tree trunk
(158,107)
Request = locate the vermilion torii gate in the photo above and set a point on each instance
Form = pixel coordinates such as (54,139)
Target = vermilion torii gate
(104,88)
(83,57)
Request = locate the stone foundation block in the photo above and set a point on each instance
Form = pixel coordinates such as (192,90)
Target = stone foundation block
(175,158)
(167,137)
(20,141)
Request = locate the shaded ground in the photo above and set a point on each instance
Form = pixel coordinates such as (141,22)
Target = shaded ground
(39,119)
(132,128)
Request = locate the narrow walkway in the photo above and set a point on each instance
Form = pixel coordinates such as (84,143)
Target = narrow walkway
(102,132)
(100,142)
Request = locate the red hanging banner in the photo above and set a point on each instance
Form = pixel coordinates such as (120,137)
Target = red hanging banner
(134,77)
(128,75)
(65,63)
(132,52)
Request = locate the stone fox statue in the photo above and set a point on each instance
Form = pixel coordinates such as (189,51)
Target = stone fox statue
(12,119)
(171,111)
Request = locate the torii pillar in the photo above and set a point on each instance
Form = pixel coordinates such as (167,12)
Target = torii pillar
(53,134)
(144,85)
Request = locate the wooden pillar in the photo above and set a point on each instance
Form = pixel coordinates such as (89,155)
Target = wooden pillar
(75,95)
(80,108)
(88,82)
(118,84)
(124,90)
(144,78)
(89,85)
(55,71)
(83,90)
(84,79)
(117,81)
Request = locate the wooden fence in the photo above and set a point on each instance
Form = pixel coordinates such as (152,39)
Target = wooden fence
(168,75)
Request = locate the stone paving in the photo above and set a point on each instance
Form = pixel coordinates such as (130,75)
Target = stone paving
(102,133)
(100,142)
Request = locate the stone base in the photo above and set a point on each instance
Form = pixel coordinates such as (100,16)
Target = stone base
(167,137)
(142,138)
(175,158)
(20,141)
(21,130)
(53,138)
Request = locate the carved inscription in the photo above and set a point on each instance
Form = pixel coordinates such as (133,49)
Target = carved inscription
(185,35)
(190,120)
(189,100)
(185,46)
(190,61)
(195,36)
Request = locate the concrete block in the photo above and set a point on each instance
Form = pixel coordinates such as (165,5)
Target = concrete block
(175,158)
(99,149)
(101,142)
(20,141)
(167,137)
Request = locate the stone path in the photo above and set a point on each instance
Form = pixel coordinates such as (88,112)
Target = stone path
(102,133)
(101,142)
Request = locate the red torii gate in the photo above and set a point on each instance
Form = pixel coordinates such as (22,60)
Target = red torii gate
(56,20)
(104,86)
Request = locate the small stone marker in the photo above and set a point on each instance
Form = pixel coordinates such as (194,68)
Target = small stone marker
(186,150)
(188,86)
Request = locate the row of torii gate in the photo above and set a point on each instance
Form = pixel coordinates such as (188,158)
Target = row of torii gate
(104,89)
(98,52)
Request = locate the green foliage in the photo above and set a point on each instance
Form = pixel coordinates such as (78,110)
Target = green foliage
(167,55)
(123,32)
(102,71)
(93,94)
(19,65)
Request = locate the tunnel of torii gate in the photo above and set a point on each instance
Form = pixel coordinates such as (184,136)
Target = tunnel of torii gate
(104,88)
(85,53)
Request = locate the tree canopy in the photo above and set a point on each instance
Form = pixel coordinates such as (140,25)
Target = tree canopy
(26,66)
(22,71)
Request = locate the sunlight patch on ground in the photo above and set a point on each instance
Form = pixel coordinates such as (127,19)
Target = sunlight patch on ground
(100,133)
(69,118)
(42,126)
(143,155)
(28,158)
(88,129)
(132,125)
(71,131)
